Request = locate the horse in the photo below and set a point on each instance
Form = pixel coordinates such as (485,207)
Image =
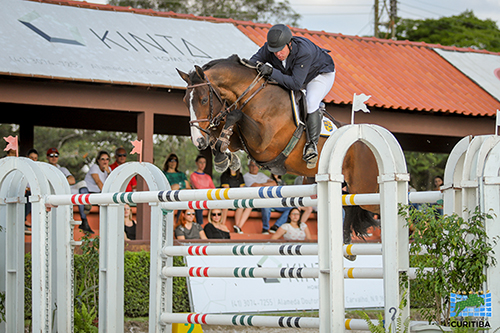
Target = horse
(232,107)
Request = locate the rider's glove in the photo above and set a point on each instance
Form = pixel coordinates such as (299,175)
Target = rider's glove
(265,69)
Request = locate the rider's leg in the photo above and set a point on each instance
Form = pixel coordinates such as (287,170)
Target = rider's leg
(316,90)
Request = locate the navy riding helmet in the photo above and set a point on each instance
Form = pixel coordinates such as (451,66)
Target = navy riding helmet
(277,37)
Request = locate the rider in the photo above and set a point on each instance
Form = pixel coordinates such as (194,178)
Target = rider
(297,63)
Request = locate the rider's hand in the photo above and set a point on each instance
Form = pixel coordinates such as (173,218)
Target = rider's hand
(265,69)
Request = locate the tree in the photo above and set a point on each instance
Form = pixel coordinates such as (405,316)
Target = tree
(262,11)
(464,30)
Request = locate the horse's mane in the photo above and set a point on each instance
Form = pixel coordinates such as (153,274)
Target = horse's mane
(234,59)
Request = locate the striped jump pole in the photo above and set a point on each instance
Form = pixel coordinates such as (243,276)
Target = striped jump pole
(258,197)
(273,272)
(265,192)
(250,320)
(263,250)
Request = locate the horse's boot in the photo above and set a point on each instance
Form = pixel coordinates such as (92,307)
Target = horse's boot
(313,130)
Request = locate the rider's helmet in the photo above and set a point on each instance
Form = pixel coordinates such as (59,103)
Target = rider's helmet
(277,37)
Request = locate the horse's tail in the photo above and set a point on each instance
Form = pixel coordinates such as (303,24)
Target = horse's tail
(357,220)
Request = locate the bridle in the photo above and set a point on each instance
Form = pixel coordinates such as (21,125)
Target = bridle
(214,119)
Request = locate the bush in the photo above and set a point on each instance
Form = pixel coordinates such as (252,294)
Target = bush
(136,286)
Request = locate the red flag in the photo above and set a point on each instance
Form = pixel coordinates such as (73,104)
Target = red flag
(11,143)
(137,148)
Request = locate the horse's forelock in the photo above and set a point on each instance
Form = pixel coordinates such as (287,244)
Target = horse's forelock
(194,78)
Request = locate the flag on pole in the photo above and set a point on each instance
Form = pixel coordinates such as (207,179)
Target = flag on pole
(12,144)
(358,104)
(498,123)
(137,148)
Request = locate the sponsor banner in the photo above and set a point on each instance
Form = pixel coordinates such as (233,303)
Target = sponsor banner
(230,295)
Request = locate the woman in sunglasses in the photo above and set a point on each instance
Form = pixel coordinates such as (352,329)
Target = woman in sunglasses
(215,229)
(187,228)
(176,179)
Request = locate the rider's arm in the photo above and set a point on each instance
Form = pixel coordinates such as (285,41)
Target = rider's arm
(300,70)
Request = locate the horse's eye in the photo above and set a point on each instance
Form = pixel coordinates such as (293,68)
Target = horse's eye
(204,100)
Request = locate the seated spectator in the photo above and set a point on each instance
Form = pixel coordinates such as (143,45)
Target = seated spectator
(186,229)
(215,229)
(200,180)
(232,179)
(53,159)
(176,178)
(306,211)
(130,224)
(294,229)
(254,178)
(120,158)
(95,178)
(32,154)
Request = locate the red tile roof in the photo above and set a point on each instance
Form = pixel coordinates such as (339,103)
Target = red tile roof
(398,74)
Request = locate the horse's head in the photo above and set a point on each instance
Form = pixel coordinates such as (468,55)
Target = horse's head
(204,103)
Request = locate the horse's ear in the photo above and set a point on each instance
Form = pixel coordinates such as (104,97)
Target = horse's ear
(183,75)
(200,72)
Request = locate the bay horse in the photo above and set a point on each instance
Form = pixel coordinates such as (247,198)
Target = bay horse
(233,108)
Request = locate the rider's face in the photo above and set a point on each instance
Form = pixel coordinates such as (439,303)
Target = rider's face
(283,54)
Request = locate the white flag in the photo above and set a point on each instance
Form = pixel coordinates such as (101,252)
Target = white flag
(498,123)
(358,103)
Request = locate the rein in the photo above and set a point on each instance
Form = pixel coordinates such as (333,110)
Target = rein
(215,120)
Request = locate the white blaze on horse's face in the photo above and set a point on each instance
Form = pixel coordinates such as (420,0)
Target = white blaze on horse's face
(196,135)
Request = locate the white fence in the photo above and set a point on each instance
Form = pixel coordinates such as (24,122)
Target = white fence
(471,179)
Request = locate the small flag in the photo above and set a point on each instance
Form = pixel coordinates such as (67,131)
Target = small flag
(358,104)
(498,123)
(11,144)
(137,148)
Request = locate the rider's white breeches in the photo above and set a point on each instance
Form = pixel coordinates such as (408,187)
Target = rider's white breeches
(317,89)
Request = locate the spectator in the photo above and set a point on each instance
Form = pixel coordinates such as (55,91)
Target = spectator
(254,178)
(215,229)
(176,179)
(130,224)
(120,158)
(186,229)
(95,178)
(294,229)
(438,182)
(32,154)
(306,211)
(53,158)
(229,179)
(200,180)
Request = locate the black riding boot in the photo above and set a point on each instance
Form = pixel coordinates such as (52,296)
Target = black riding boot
(314,130)
(85,226)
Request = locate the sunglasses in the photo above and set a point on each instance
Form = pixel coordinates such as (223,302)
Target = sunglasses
(53,155)
(216,214)
(104,159)
(189,213)
(121,155)
(172,160)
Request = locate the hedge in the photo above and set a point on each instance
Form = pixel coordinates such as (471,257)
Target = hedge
(136,286)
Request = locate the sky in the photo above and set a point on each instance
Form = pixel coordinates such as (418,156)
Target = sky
(355,17)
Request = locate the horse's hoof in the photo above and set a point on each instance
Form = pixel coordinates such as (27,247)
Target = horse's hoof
(311,164)
(235,163)
(221,166)
(350,257)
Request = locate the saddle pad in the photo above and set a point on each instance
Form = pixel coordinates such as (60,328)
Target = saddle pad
(328,126)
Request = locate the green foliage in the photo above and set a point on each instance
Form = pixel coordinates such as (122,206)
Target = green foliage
(263,11)
(464,30)
(84,320)
(400,325)
(136,285)
(87,274)
(455,251)
(423,167)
